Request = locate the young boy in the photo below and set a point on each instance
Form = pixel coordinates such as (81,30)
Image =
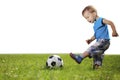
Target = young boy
(101,35)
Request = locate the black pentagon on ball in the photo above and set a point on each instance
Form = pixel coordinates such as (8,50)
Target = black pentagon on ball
(53,63)
(51,56)
(46,63)
(59,59)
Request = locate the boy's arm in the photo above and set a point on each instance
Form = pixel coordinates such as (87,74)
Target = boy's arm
(114,32)
(90,40)
(93,38)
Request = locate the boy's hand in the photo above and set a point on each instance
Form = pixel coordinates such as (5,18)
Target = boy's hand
(115,34)
(89,41)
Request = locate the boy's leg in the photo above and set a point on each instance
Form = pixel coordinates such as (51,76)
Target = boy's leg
(79,58)
(99,53)
(97,61)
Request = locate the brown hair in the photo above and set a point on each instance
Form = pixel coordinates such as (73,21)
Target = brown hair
(89,8)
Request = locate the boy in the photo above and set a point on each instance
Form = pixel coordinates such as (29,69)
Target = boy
(101,35)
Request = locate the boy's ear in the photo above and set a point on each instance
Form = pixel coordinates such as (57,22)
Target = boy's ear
(95,13)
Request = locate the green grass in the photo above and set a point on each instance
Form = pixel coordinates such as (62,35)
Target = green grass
(32,67)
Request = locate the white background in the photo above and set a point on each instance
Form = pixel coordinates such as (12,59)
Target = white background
(52,26)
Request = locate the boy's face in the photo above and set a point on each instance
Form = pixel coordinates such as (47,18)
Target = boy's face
(89,16)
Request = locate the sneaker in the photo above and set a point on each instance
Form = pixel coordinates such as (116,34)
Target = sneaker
(77,58)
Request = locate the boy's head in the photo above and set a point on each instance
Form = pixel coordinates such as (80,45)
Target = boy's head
(89,13)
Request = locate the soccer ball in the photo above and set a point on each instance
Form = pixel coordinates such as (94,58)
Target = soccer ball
(54,61)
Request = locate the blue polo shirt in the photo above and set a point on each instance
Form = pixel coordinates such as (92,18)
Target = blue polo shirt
(100,29)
